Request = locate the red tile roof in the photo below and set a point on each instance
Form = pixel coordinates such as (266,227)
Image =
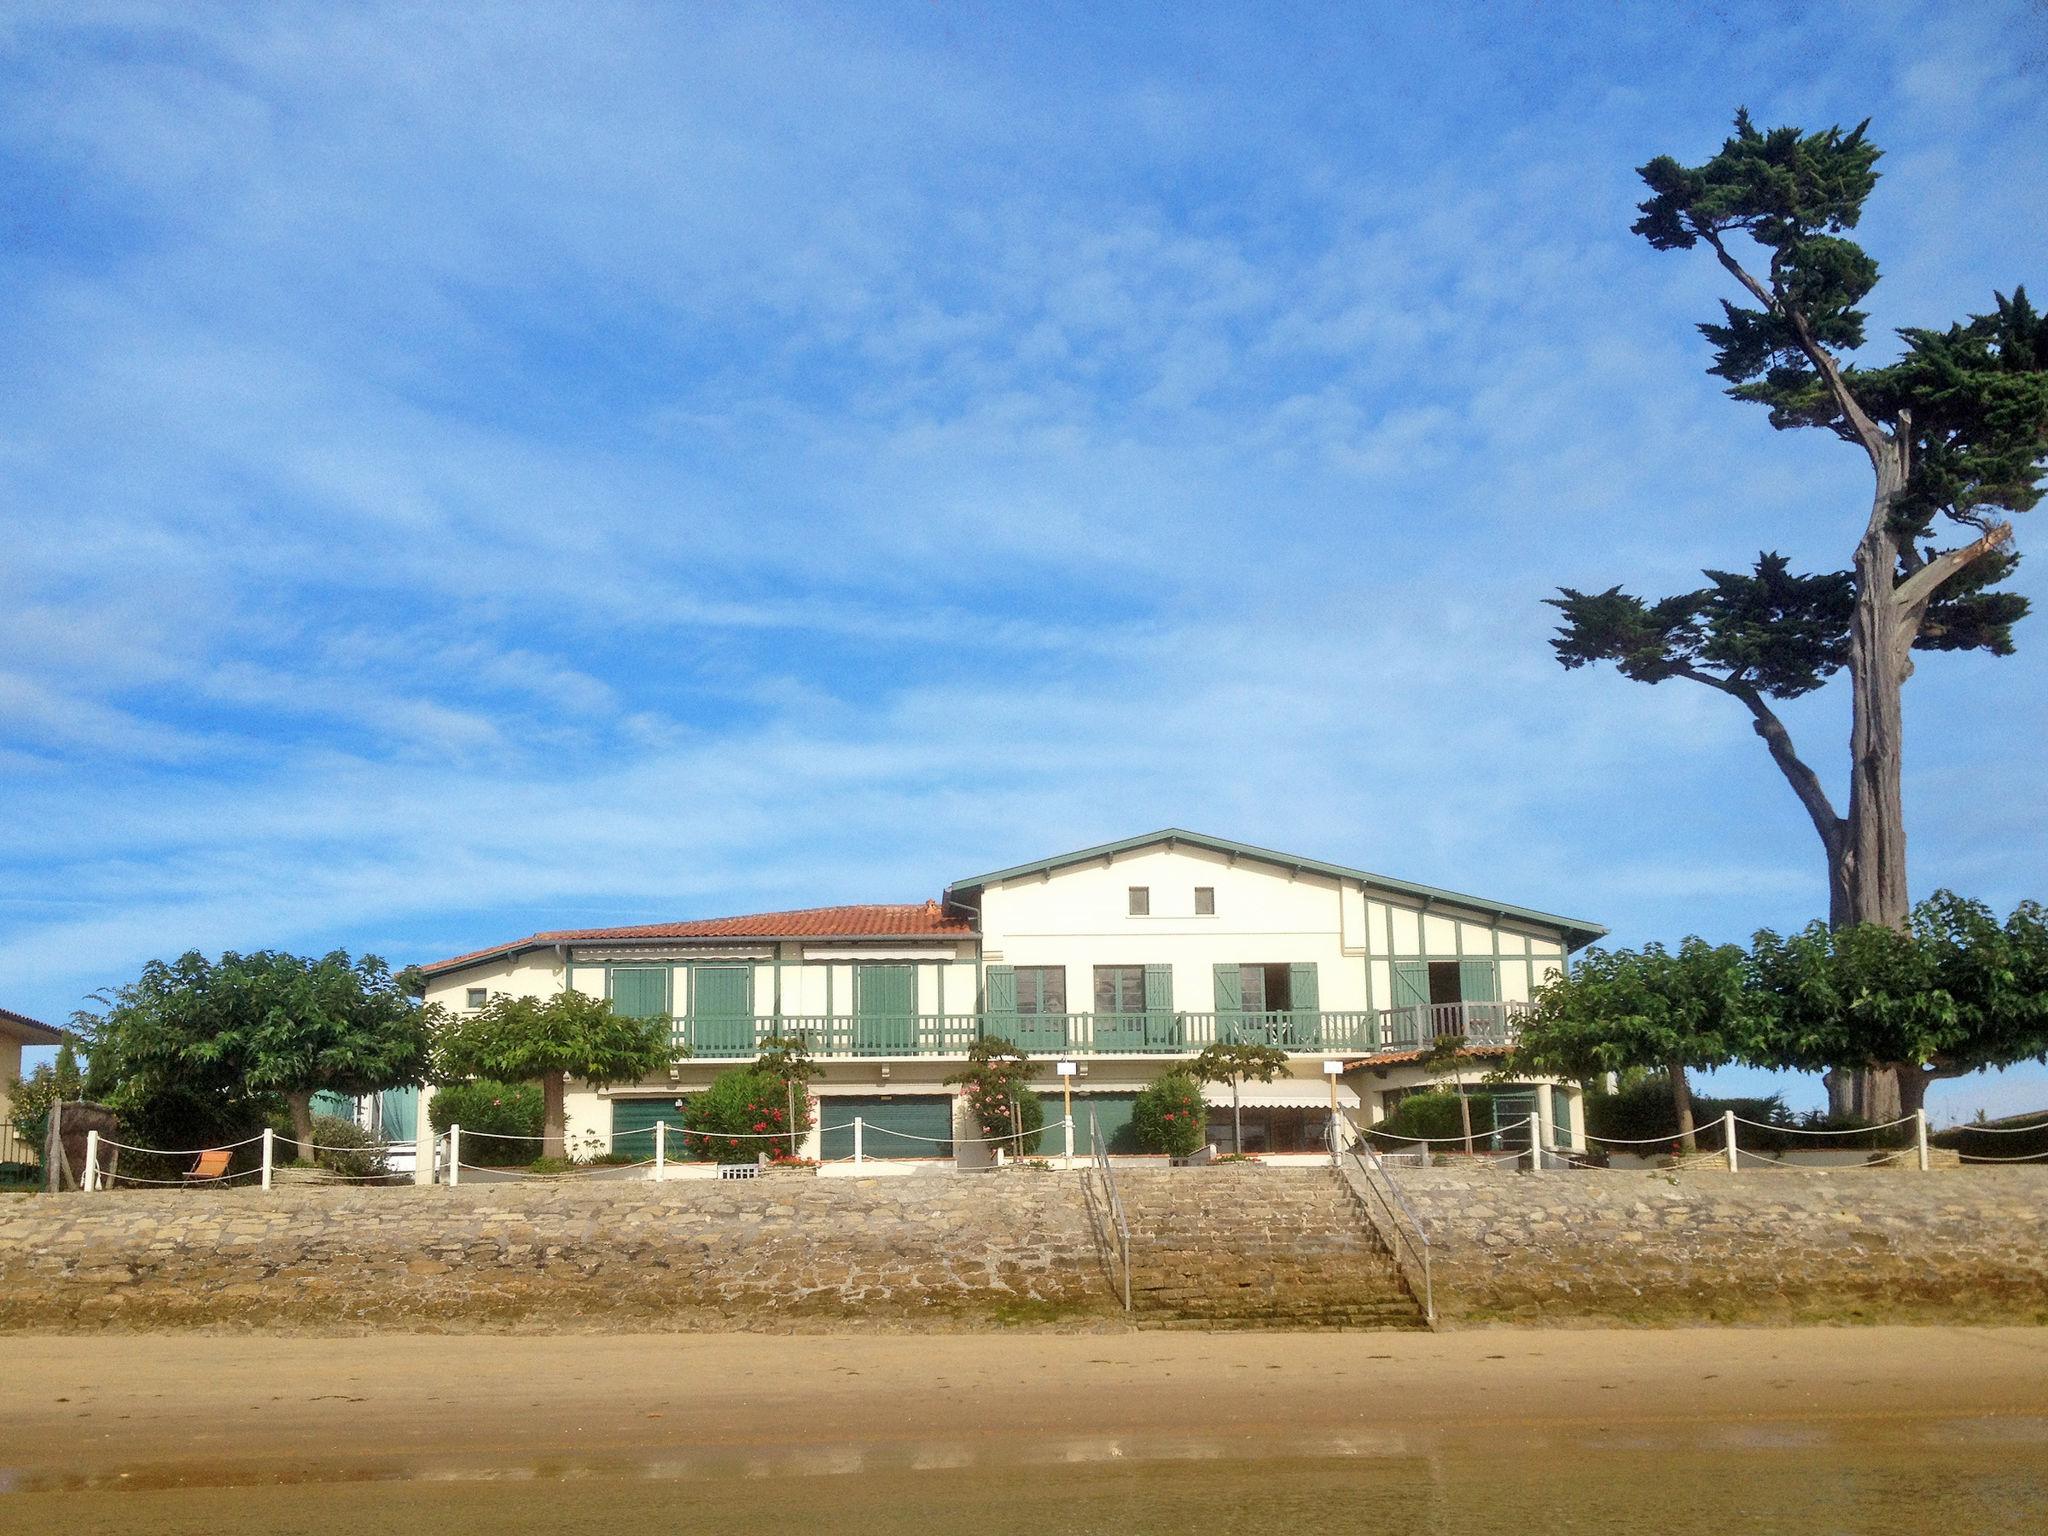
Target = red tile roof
(35,1031)
(925,920)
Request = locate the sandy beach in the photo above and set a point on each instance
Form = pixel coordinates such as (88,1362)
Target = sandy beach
(200,1432)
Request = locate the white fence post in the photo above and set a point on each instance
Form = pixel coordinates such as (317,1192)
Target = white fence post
(92,1161)
(269,1154)
(1070,1140)
(857,1158)
(1728,1137)
(454,1154)
(660,1146)
(1920,1135)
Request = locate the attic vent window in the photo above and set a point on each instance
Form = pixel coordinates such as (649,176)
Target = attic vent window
(1141,901)
(1205,901)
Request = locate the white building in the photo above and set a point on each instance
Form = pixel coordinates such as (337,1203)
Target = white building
(1120,958)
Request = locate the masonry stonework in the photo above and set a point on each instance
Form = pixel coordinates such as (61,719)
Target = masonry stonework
(1780,1246)
(1221,1246)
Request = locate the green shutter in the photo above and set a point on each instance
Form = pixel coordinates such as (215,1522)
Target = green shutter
(640,992)
(1305,998)
(1160,1031)
(1411,982)
(1002,992)
(907,1126)
(1478,981)
(722,1010)
(1229,991)
(633,1126)
(1411,1002)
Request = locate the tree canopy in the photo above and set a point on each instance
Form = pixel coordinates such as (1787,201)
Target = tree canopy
(1647,1008)
(1955,992)
(549,1039)
(199,1044)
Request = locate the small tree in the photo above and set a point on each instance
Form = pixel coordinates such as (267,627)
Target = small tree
(1446,1054)
(30,1100)
(996,1085)
(1171,1116)
(787,1059)
(202,1044)
(1236,1062)
(551,1039)
(1955,992)
(1644,1008)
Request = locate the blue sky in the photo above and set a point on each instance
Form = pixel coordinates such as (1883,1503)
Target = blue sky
(470,469)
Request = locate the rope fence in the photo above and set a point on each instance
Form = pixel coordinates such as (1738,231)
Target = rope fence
(1535,1142)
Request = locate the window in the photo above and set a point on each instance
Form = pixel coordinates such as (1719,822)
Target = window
(1265,988)
(1141,901)
(1041,989)
(1205,901)
(1119,989)
(476,997)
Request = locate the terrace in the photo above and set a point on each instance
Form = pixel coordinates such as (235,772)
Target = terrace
(1158,1032)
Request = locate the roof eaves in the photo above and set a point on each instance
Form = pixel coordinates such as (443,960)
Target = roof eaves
(34,1031)
(1572,927)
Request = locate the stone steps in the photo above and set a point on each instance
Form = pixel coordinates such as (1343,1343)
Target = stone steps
(1251,1247)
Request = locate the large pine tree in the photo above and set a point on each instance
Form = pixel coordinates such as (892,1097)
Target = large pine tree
(1955,430)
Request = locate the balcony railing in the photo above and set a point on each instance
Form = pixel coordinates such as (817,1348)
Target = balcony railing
(1159,1032)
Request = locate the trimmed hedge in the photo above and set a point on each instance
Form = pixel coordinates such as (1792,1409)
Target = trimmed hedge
(501,1122)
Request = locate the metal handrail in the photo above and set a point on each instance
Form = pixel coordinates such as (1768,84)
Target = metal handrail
(1374,1177)
(1100,1153)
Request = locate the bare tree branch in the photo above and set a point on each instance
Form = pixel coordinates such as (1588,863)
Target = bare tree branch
(1922,584)
(1805,782)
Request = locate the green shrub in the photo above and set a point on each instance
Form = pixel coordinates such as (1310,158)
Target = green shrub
(1171,1116)
(501,1122)
(728,1121)
(1433,1115)
(1004,1108)
(1641,1115)
(2020,1136)
(344,1148)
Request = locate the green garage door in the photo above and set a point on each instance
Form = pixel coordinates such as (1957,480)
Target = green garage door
(1112,1113)
(923,1124)
(633,1126)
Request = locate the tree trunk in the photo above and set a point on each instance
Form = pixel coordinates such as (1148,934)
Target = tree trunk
(1681,1100)
(1237,1122)
(302,1123)
(554,1128)
(1872,866)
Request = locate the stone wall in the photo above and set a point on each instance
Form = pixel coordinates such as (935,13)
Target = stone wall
(1226,1246)
(994,1248)
(1953,1245)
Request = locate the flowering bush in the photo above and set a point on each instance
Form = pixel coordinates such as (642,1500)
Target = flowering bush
(1171,1116)
(998,1099)
(744,1115)
(501,1122)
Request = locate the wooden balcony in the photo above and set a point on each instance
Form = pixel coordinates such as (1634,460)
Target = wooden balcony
(847,1037)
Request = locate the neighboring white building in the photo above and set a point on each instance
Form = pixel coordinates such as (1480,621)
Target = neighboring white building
(1120,958)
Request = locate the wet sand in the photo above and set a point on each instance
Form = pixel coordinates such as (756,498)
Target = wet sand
(1125,1433)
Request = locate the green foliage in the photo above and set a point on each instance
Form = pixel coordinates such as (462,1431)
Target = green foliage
(999,1096)
(1956,991)
(2021,1136)
(500,1121)
(190,1053)
(728,1121)
(1237,1062)
(1436,1116)
(30,1099)
(1171,1116)
(514,1039)
(1641,1008)
(342,1147)
(787,1059)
